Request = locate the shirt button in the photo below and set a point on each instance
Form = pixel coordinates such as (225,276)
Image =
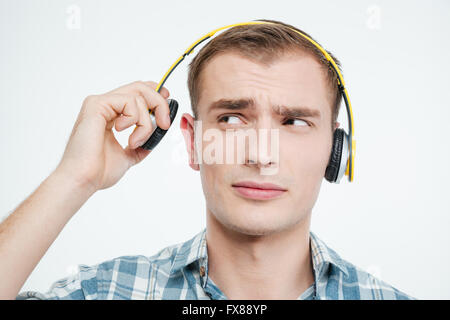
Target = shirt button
(202,271)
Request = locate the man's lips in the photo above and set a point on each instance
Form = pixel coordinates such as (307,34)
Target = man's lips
(258,191)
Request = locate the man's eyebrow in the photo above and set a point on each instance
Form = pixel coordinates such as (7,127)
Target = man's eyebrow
(296,112)
(232,104)
(249,103)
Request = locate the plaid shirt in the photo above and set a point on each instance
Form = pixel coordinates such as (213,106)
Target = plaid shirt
(181,272)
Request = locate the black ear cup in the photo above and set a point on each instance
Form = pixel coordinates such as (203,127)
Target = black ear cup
(159,133)
(334,164)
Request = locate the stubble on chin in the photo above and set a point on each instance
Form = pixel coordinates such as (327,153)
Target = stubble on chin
(256,228)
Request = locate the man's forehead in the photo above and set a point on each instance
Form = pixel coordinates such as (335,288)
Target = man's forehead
(223,65)
(292,83)
(229,71)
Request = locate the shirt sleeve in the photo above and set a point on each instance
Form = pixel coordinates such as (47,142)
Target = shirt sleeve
(79,286)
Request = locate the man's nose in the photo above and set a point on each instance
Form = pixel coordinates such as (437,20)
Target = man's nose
(262,161)
(264,151)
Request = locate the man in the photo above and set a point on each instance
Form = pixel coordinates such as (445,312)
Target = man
(257,243)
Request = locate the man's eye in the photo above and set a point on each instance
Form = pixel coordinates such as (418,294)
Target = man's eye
(296,122)
(230,119)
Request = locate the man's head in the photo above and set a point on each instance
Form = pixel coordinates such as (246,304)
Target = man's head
(263,77)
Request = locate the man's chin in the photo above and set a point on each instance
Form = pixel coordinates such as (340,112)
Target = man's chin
(263,227)
(251,231)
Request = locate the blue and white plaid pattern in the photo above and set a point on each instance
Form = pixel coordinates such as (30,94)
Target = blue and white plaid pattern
(180,272)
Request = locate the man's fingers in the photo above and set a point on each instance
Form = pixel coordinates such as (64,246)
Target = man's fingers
(129,117)
(134,87)
(143,127)
(133,111)
(155,102)
(111,106)
(132,104)
(164,92)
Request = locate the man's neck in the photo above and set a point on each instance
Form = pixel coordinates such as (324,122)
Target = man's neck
(275,266)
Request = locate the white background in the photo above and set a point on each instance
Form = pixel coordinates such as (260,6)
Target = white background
(392,221)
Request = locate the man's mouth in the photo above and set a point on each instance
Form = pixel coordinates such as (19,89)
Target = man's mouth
(258,191)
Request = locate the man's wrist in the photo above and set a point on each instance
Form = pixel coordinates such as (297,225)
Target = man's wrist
(75,185)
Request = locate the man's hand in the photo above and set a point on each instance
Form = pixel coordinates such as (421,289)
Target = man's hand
(93,157)
(92,160)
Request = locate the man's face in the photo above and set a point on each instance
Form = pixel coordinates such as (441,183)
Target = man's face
(237,93)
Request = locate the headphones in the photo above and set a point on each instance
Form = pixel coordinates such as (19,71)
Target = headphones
(343,151)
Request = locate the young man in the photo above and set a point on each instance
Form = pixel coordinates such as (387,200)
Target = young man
(257,243)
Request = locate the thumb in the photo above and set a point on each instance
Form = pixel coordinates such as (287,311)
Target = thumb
(136,155)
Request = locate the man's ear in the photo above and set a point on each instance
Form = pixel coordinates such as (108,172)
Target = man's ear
(187,128)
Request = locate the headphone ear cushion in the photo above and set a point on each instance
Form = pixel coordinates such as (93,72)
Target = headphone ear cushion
(159,133)
(332,171)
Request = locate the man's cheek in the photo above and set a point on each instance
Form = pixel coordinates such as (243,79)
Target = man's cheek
(213,178)
(305,162)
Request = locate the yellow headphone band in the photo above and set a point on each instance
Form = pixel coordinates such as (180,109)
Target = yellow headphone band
(341,84)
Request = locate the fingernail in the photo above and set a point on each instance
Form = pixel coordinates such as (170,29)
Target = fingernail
(168,119)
